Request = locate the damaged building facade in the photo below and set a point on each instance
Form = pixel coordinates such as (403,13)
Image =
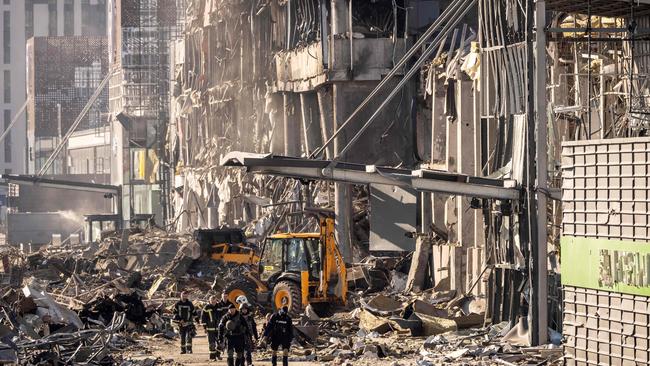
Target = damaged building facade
(498,147)
(281,77)
(499,136)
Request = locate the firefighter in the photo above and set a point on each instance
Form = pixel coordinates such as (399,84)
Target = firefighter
(234,329)
(246,311)
(183,317)
(279,332)
(221,308)
(210,317)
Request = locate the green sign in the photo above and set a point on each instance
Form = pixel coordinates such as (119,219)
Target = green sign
(611,265)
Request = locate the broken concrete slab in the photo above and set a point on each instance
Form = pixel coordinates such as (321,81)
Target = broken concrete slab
(47,306)
(373,323)
(432,325)
(383,305)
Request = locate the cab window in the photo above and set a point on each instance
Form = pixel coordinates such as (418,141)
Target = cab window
(296,259)
(271,260)
(313,256)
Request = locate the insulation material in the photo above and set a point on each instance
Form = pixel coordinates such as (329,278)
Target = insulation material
(472,64)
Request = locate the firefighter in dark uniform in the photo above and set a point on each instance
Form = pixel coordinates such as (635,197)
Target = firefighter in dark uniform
(234,329)
(247,312)
(279,332)
(210,317)
(184,317)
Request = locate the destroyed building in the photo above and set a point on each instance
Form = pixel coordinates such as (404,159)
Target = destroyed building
(486,163)
(498,111)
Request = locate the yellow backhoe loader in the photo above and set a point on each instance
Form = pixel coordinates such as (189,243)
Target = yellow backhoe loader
(296,269)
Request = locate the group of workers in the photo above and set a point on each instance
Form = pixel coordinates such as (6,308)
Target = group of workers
(232,327)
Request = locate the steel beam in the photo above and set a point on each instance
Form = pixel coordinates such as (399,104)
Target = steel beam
(422,179)
(60,184)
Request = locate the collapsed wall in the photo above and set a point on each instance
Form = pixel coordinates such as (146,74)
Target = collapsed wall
(279,78)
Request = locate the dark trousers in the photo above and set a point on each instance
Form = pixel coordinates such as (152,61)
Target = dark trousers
(213,339)
(186,338)
(275,345)
(236,345)
(249,351)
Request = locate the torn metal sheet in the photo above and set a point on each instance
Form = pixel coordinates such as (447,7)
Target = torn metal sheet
(393,213)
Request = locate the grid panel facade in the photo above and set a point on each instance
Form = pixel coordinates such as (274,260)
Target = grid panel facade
(606,189)
(606,195)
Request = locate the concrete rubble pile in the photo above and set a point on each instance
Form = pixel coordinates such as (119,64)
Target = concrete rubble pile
(88,305)
(384,324)
(111,304)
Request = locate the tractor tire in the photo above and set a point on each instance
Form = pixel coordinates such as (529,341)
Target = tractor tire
(287,293)
(241,287)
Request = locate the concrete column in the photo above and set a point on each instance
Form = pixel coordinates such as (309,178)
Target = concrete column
(291,124)
(465,160)
(326,109)
(274,107)
(451,207)
(440,254)
(339,16)
(342,192)
(311,124)
(538,313)
(438,148)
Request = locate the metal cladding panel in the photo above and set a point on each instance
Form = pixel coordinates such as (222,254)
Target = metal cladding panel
(393,213)
(606,189)
(606,229)
(605,328)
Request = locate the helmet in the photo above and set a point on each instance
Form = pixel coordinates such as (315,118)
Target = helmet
(230,325)
(241,300)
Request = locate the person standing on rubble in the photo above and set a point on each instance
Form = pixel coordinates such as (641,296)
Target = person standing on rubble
(210,317)
(247,312)
(234,330)
(279,332)
(184,317)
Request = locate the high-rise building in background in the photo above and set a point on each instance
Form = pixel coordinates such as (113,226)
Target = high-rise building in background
(20,21)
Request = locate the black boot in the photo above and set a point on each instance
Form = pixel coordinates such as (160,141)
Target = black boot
(183,350)
(274,360)
(189,349)
(285,360)
(231,361)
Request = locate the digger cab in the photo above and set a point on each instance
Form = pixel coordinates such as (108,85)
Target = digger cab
(294,270)
(290,254)
(303,268)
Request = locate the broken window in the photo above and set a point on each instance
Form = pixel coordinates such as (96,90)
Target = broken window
(7,141)
(7,86)
(68,20)
(378,19)
(306,15)
(6,37)
(271,260)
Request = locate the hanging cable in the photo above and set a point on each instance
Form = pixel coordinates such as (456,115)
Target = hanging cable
(458,16)
(443,19)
